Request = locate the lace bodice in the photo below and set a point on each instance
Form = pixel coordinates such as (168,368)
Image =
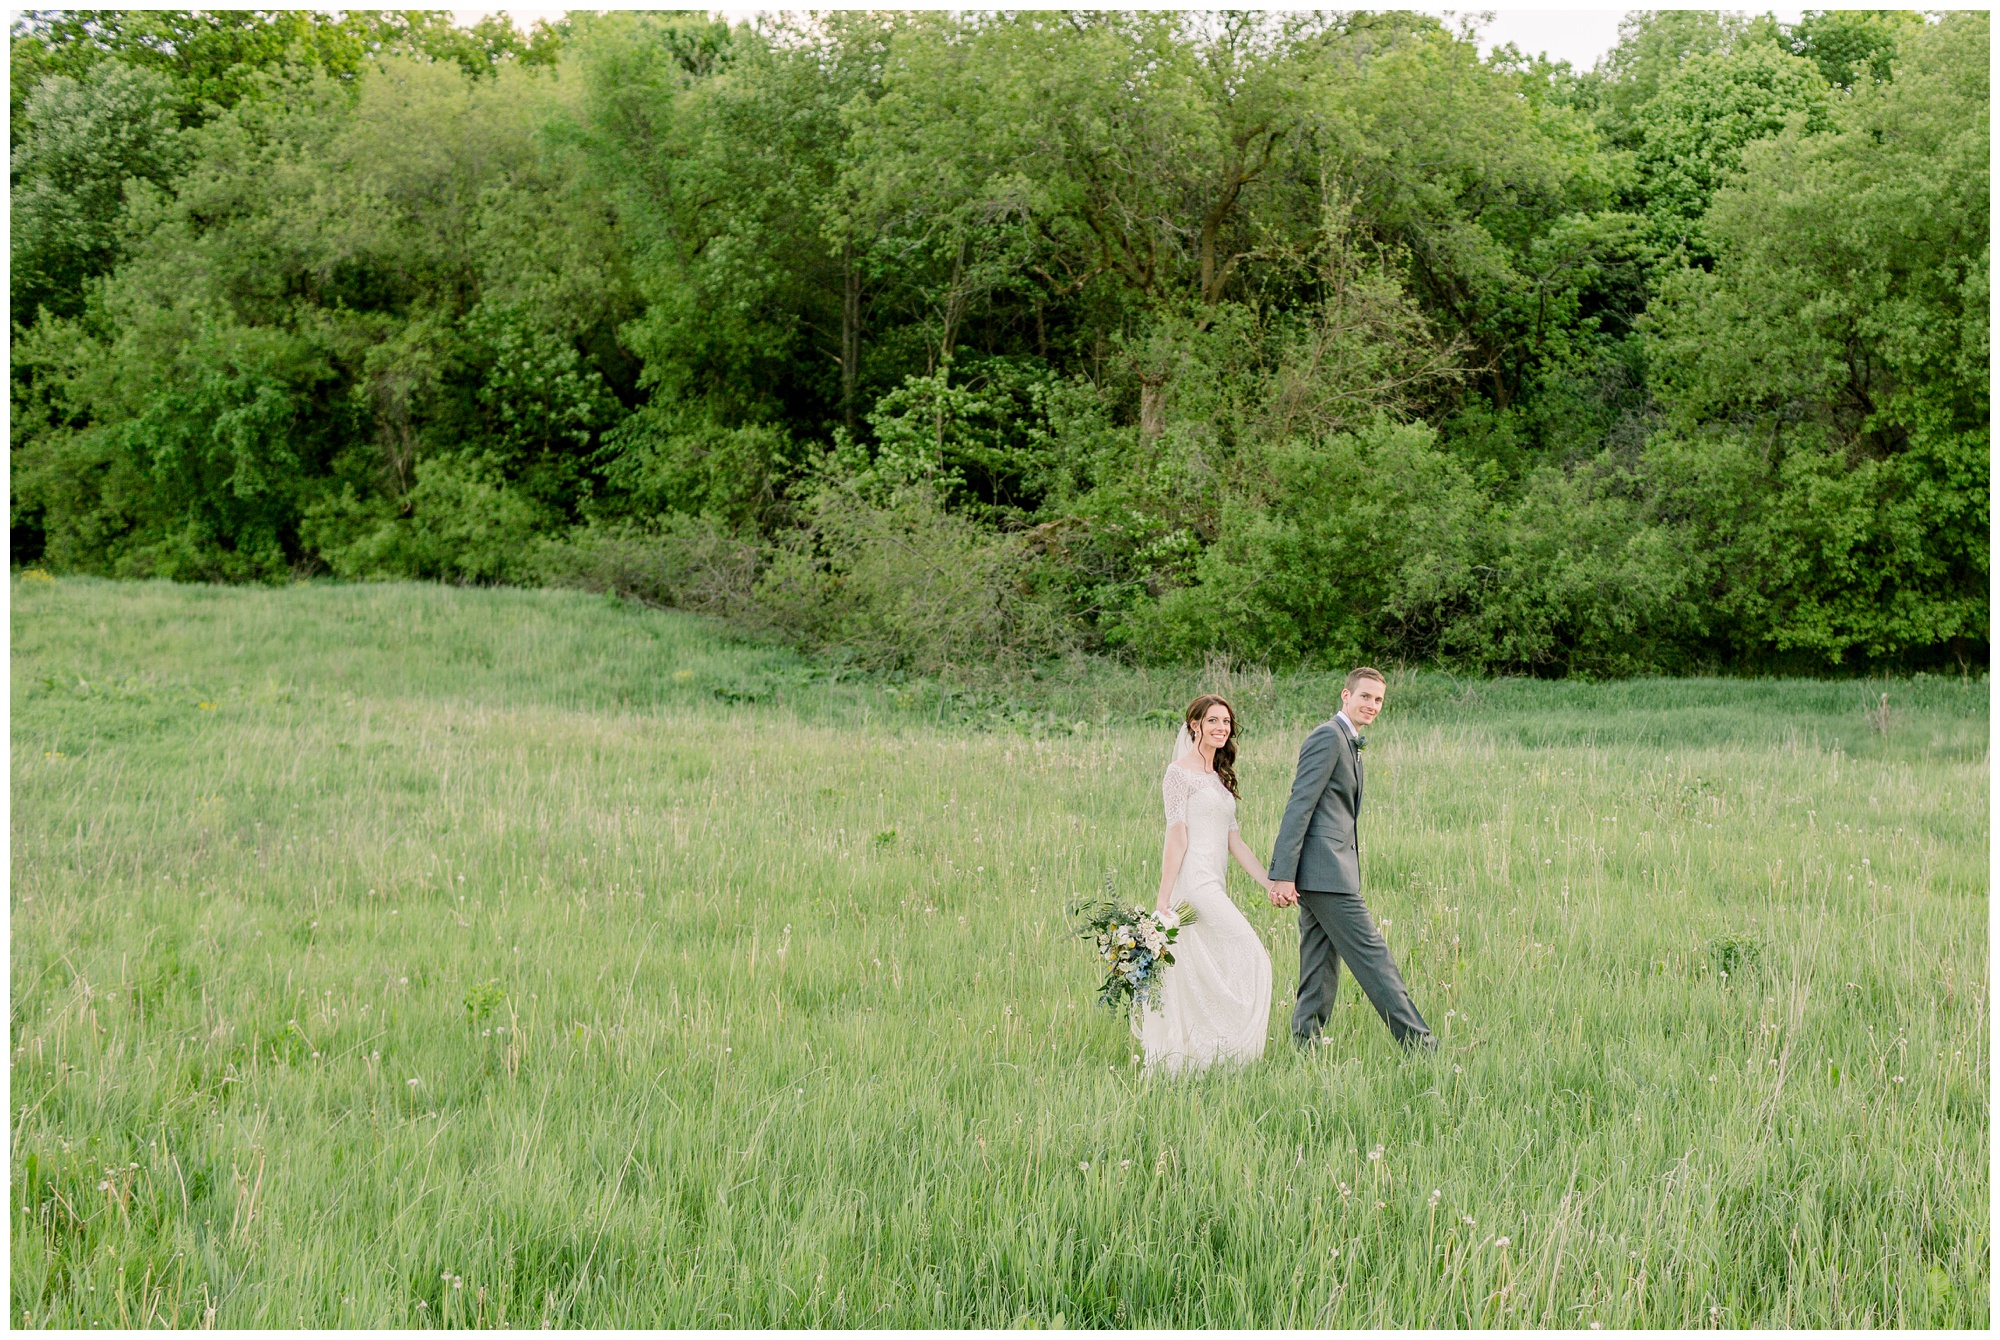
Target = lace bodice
(1180,785)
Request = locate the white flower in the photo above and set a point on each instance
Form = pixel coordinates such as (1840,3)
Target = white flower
(1170,921)
(1503,1243)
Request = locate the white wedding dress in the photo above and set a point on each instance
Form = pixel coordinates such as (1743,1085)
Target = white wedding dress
(1215,999)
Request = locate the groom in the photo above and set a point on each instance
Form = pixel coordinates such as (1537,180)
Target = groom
(1317,868)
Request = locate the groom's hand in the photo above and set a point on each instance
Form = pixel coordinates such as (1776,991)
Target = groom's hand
(1284,893)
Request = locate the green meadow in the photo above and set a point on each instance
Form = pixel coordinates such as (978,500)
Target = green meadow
(400,955)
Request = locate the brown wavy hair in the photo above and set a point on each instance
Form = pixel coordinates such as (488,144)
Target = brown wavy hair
(1225,757)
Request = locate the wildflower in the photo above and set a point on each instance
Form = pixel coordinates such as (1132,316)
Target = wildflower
(1083,1167)
(1466,1219)
(1436,1196)
(414,1081)
(1375,1154)
(1503,1243)
(1124,1163)
(1899,1079)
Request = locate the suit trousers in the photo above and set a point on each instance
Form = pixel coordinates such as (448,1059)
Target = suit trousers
(1336,926)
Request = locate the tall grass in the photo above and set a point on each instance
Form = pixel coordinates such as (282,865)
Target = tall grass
(392,956)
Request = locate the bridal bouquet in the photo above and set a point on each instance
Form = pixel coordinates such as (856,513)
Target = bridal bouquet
(1135,946)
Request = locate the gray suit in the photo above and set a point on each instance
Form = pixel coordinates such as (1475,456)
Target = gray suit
(1319,849)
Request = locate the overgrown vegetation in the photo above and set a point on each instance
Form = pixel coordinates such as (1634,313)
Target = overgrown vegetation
(957,341)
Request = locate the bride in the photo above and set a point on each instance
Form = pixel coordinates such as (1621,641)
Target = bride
(1215,1001)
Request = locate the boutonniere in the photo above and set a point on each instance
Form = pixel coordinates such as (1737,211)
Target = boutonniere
(1360,741)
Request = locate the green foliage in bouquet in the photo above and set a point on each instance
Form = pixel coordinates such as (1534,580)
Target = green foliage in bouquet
(1135,945)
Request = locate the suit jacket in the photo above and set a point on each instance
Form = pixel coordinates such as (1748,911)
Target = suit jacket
(1319,843)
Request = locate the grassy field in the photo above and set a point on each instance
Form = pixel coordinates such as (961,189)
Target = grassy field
(407,956)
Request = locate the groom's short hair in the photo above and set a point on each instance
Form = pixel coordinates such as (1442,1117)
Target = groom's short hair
(1361,672)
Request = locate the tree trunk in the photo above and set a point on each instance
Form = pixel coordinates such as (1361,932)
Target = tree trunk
(956,299)
(850,338)
(1152,408)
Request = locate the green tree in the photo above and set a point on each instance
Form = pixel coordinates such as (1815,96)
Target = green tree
(1692,135)
(84,139)
(1835,363)
(343,288)
(1851,45)
(1652,47)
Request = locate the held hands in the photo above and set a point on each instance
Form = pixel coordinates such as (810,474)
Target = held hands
(1284,893)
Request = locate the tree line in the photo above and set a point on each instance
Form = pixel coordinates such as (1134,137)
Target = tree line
(949,341)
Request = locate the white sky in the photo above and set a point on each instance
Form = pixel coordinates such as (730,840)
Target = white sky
(1577,33)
